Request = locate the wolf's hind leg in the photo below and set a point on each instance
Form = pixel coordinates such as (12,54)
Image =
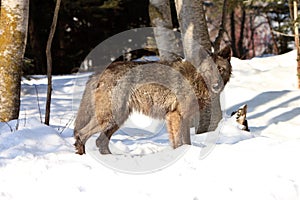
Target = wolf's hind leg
(79,145)
(102,141)
(80,140)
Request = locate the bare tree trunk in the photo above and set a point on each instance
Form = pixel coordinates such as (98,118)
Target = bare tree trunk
(241,50)
(252,29)
(293,7)
(49,61)
(276,49)
(296,30)
(296,26)
(194,31)
(217,42)
(193,26)
(167,43)
(232,33)
(13,34)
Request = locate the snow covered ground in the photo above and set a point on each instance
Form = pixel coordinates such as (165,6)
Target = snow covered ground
(38,162)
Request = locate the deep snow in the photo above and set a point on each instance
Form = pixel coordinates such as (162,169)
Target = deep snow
(38,162)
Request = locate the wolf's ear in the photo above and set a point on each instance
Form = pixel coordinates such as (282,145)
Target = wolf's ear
(225,52)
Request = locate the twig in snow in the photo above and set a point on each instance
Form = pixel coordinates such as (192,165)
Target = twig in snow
(67,124)
(11,130)
(38,102)
(17,124)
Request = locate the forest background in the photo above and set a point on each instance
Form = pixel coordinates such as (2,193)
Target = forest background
(252,28)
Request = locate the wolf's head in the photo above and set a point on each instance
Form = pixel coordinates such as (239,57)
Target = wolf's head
(222,59)
(215,68)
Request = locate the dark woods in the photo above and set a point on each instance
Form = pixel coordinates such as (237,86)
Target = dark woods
(81,26)
(251,29)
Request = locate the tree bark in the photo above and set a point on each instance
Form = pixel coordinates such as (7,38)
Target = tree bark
(217,42)
(196,43)
(296,30)
(232,33)
(168,43)
(241,51)
(49,61)
(252,30)
(13,34)
(193,26)
(276,49)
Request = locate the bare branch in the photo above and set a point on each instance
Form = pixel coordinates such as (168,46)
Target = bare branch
(49,61)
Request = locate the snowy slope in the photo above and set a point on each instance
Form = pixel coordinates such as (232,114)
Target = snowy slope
(38,162)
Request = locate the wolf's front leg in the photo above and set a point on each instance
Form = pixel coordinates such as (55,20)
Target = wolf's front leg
(174,126)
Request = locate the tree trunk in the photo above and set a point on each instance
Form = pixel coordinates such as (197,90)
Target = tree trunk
(167,43)
(241,50)
(49,61)
(196,43)
(193,26)
(252,30)
(13,34)
(296,30)
(276,49)
(217,42)
(232,33)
